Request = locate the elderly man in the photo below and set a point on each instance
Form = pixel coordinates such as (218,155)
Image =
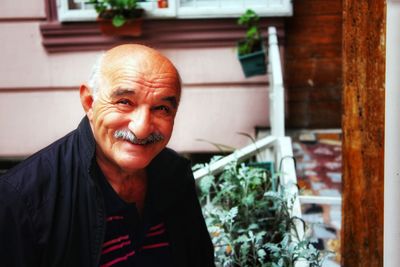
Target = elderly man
(109,193)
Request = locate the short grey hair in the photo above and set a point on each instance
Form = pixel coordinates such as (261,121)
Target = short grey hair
(94,79)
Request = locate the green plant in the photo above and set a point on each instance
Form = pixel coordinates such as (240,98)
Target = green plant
(119,11)
(252,41)
(249,218)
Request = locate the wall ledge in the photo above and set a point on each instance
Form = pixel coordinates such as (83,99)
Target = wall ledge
(158,33)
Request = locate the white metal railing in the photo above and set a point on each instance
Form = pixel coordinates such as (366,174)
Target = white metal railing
(238,156)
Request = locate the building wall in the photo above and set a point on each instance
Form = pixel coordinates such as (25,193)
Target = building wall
(39,100)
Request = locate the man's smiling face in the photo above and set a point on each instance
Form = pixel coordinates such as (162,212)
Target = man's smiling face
(138,94)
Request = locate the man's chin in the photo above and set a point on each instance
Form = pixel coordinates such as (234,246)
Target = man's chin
(135,157)
(131,163)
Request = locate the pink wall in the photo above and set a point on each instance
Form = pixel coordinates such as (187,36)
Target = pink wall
(217,115)
(22,9)
(39,91)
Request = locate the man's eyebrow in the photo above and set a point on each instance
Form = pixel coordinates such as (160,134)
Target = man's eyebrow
(122,92)
(172,100)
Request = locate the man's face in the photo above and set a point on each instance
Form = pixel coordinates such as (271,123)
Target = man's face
(140,97)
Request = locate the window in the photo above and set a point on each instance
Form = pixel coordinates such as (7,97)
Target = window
(232,8)
(78,10)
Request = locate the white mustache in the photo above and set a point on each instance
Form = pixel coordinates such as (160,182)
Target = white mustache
(131,137)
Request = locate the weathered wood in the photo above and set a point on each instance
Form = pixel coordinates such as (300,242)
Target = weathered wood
(327,93)
(363,132)
(313,63)
(299,52)
(315,30)
(318,7)
(314,72)
(314,114)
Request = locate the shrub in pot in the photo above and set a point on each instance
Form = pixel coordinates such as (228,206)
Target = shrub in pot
(250,222)
(119,17)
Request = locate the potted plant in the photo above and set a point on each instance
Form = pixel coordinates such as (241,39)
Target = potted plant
(119,17)
(248,215)
(251,52)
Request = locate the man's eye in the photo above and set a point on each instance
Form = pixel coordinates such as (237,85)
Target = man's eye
(164,109)
(124,102)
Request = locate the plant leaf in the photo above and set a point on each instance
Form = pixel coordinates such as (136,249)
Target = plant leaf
(118,20)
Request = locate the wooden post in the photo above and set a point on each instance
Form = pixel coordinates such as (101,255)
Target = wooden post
(364,24)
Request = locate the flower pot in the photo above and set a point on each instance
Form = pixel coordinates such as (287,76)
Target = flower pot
(254,63)
(132,27)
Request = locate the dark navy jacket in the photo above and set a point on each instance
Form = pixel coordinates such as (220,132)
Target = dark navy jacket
(52,209)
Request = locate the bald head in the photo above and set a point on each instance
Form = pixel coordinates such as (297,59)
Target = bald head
(136,58)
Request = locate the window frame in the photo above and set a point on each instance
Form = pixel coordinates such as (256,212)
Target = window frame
(272,10)
(178,11)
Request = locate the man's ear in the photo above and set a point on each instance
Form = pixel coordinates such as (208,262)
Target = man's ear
(86,100)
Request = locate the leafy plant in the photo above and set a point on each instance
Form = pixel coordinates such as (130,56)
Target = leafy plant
(248,215)
(252,41)
(119,11)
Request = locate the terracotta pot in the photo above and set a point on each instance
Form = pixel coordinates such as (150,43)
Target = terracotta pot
(131,27)
(162,3)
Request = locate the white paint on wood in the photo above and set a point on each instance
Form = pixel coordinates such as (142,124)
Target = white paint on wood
(392,138)
(276,97)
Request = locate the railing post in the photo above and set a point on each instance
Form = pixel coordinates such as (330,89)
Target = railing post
(276,93)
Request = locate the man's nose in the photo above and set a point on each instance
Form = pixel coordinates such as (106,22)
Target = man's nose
(141,123)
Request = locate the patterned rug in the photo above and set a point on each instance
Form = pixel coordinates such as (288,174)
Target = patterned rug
(319,163)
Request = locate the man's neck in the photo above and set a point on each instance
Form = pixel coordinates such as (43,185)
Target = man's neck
(130,186)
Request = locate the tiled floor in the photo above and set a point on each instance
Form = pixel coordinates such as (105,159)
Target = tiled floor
(319,162)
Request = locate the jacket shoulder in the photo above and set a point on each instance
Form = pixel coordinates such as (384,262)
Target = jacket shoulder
(34,179)
(43,158)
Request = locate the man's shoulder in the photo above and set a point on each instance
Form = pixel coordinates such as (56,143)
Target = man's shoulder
(41,165)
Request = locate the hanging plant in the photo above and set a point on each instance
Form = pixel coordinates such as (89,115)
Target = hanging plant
(251,52)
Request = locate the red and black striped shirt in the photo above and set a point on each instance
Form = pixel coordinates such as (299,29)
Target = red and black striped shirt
(131,240)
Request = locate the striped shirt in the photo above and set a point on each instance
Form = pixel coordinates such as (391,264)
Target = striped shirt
(131,240)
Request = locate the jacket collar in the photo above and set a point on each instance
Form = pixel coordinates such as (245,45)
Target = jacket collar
(87,143)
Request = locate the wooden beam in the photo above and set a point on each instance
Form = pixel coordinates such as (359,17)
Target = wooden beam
(364,24)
